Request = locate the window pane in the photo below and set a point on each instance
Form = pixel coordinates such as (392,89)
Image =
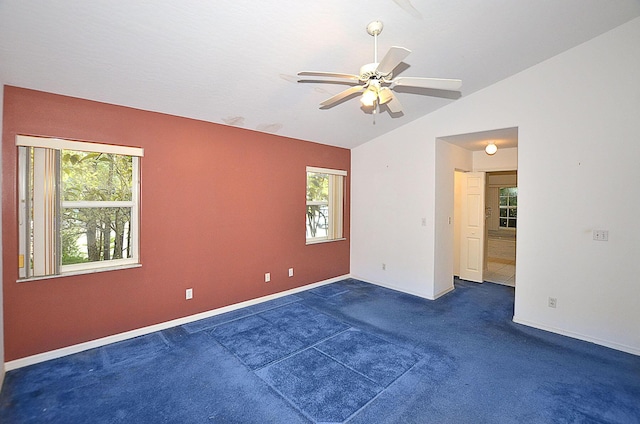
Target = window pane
(503,201)
(512,223)
(503,222)
(503,212)
(95,234)
(95,176)
(317,186)
(512,212)
(317,221)
(509,191)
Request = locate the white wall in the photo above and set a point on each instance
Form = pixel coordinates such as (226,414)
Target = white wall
(449,158)
(1,265)
(457,215)
(578,146)
(502,160)
(392,202)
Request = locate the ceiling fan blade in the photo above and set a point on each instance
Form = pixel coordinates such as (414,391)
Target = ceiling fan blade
(343,94)
(394,105)
(394,56)
(329,75)
(434,83)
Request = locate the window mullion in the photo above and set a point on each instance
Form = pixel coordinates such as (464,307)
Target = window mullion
(78,204)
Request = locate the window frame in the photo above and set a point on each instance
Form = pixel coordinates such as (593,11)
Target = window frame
(507,208)
(336,208)
(24,142)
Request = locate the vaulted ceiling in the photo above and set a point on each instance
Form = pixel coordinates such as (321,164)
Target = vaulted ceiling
(235,62)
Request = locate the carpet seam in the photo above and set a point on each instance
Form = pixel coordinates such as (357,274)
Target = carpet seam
(348,367)
(236,319)
(350,417)
(311,346)
(283,396)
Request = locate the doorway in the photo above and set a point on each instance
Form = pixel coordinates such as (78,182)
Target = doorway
(501,211)
(465,154)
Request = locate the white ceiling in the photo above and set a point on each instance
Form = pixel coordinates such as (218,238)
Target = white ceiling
(503,138)
(234,61)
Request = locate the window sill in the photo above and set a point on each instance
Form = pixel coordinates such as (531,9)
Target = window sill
(80,272)
(318,241)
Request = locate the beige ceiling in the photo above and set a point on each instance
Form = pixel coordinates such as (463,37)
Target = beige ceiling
(235,62)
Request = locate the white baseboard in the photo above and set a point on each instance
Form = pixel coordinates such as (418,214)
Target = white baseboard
(392,287)
(606,343)
(69,350)
(445,291)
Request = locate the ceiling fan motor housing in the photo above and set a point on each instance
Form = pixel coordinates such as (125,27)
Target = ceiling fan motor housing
(369,71)
(374,28)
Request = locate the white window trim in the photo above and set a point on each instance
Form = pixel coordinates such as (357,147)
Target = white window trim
(507,208)
(83,146)
(82,272)
(134,203)
(326,171)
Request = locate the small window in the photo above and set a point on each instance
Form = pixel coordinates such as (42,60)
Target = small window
(508,207)
(79,206)
(325,204)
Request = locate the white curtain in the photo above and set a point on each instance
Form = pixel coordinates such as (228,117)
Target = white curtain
(336,205)
(45,211)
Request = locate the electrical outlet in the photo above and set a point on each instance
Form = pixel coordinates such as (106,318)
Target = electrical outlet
(290,272)
(188,294)
(553,302)
(601,235)
(267,277)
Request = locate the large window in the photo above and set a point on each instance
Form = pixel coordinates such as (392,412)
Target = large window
(325,204)
(508,207)
(79,206)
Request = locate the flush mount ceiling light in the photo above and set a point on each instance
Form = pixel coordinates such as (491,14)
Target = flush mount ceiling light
(491,149)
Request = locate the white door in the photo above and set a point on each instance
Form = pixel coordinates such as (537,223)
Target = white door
(472,227)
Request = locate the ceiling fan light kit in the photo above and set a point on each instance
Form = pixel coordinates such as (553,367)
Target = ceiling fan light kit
(369,97)
(376,81)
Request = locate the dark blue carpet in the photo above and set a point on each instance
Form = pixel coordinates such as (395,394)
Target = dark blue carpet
(345,352)
(255,341)
(377,359)
(213,321)
(322,388)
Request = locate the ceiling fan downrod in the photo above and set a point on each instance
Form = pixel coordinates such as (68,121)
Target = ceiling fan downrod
(375,28)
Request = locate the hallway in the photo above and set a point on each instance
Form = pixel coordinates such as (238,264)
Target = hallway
(501,257)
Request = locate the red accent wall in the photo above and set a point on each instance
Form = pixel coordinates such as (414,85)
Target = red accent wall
(220,206)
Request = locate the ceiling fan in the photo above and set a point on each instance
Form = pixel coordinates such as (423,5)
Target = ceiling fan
(376,81)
